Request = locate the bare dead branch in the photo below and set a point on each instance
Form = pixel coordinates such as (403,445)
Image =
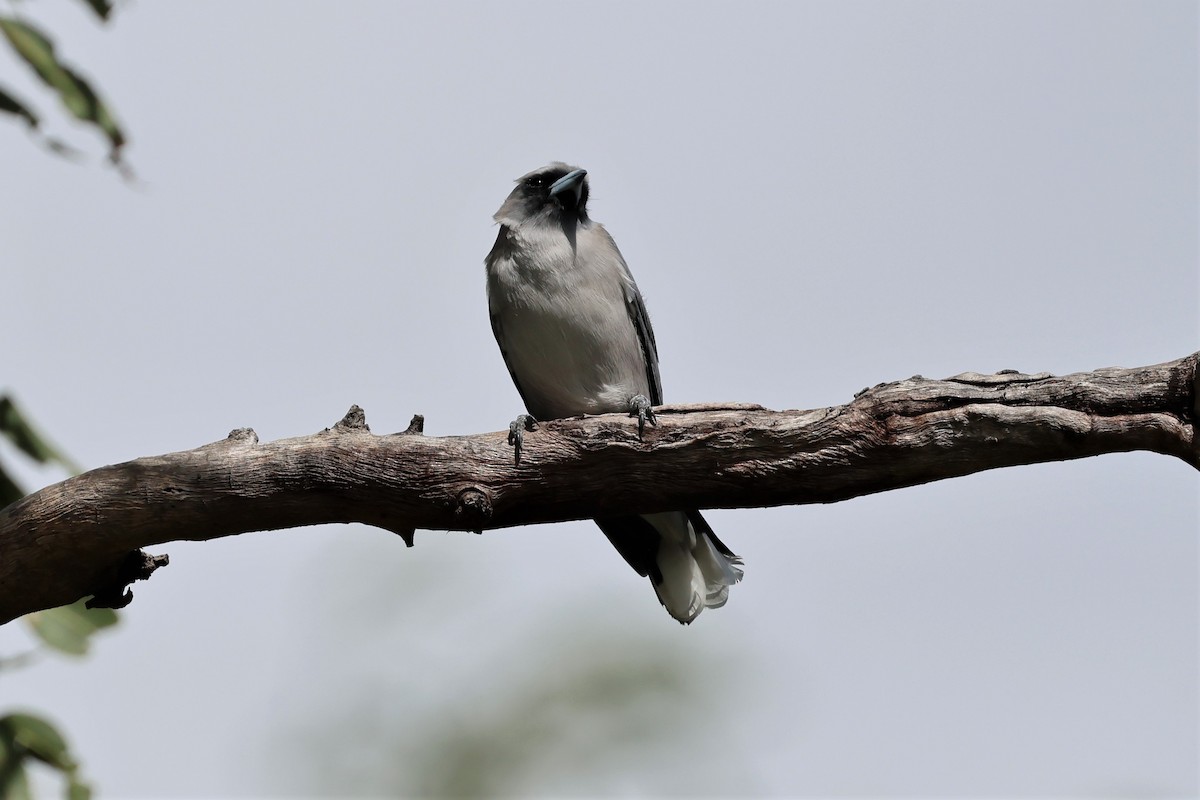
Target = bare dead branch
(75,538)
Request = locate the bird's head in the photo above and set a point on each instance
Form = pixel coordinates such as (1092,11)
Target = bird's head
(556,193)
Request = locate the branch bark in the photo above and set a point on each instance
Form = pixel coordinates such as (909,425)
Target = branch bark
(82,536)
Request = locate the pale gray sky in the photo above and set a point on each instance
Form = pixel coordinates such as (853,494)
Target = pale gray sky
(814,197)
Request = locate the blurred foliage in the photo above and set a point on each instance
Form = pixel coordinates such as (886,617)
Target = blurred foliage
(68,629)
(580,715)
(570,700)
(16,428)
(571,715)
(76,93)
(28,739)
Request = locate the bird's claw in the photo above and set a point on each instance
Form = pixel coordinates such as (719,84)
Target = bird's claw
(516,433)
(639,406)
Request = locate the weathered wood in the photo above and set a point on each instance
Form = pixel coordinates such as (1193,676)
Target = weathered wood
(75,538)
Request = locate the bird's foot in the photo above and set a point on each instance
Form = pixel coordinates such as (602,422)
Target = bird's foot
(516,433)
(639,406)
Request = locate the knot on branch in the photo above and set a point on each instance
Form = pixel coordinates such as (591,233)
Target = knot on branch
(136,566)
(242,435)
(355,420)
(416,426)
(473,509)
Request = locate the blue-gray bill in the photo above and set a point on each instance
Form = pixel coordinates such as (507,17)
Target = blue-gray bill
(574,332)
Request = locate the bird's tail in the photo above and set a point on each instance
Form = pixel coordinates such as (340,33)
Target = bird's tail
(695,569)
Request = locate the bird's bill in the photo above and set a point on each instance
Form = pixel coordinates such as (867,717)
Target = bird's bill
(569,183)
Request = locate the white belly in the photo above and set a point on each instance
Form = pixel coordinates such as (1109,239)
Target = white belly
(570,362)
(567,335)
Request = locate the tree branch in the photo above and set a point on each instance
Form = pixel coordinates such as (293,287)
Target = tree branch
(81,536)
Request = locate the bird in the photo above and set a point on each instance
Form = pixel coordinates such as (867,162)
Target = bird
(573,330)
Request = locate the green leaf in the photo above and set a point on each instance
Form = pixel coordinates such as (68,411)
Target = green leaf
(34,47)
(75,92)
(77,789)
(39,739)
(25,737)
(14,785)
(12,105)
(102,8)
(68,628)
(10,492)
(88,107)
(17,429)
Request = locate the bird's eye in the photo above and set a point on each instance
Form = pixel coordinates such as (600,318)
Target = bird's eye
(536,182)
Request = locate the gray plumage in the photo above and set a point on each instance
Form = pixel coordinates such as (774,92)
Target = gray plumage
(574,332)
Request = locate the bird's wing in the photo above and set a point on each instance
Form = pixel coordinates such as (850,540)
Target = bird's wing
(636,308)
(641,323)
(498,332)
